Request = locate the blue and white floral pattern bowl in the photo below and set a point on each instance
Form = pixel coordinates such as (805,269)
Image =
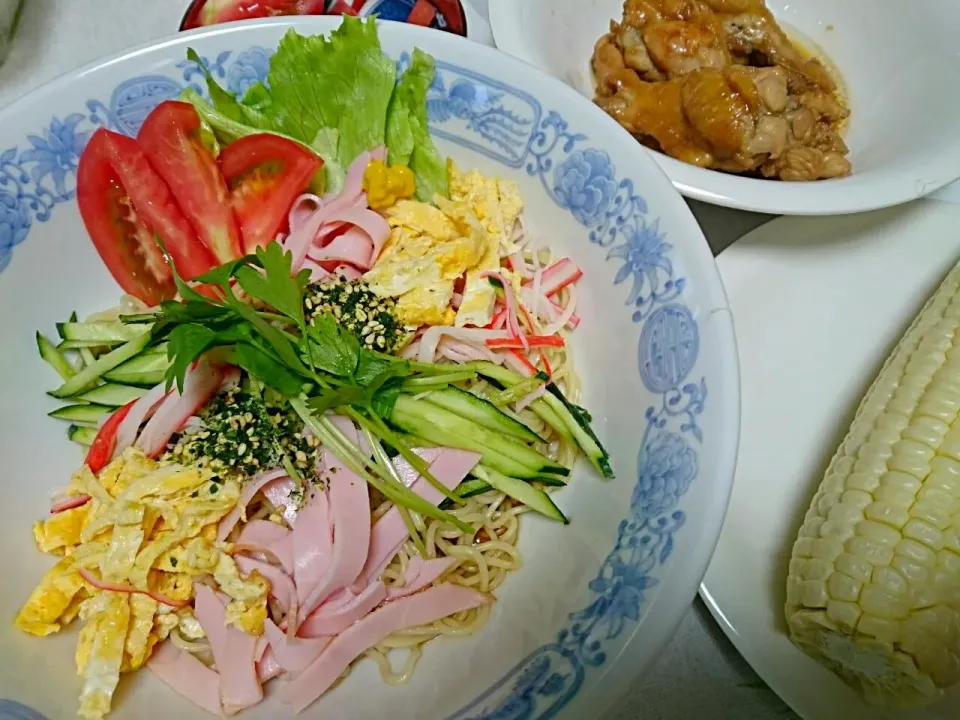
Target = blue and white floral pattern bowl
(597,600)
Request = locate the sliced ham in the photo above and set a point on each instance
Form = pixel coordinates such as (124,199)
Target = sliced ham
(300,239)
(317,273)
(142,410)
(352,247)
(302,208)
(312,543)
(389,533)
(342,611)
(267,666)
(231,519)
(293,654)
(370,226)
(282,550)
(350,510)
(278,493)
(281,584)
(262,645)
(267,539)
(262,532)
(187,676)
(407,473)
(199,385)
(305,224)
(353,186)
(420,574)
(420,609)
(348,272)
(233,653)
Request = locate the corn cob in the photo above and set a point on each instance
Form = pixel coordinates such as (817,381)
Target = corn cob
(873,590)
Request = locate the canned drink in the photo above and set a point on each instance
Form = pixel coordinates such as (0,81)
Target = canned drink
(439,14)
(445,15)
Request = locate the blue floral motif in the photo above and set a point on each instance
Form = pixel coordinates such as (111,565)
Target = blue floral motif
(57,152)
(669,345)
(14,226)
(480,113)
(247,69)
(482,110)
(509,126)
(643,253)
(584,182)
(666,467)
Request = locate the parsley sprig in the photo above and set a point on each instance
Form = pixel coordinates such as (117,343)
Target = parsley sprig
(318,366)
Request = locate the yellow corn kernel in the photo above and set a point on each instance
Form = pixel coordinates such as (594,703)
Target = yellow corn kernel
(873,589)
(386,185)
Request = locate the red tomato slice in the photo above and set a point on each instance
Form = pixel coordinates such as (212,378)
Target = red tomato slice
(265,173)
(170,136)
(124,203)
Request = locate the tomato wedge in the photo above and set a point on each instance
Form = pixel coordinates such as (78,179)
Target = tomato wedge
(265,173)
(170,136)
(124,204)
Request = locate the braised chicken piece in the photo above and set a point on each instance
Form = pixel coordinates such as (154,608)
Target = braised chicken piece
(718,84)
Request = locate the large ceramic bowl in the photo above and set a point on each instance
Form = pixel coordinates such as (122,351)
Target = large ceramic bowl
(899,66)
(596,600)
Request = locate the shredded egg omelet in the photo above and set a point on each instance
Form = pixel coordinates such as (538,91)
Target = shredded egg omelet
(430,248)
(128,561)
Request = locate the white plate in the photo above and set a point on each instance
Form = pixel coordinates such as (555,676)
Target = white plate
(901,69)
(819,304)
(598,599)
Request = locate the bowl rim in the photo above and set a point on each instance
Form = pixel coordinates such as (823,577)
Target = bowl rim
(711,301)
(836,196)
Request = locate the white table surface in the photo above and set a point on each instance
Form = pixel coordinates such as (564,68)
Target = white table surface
(700,675)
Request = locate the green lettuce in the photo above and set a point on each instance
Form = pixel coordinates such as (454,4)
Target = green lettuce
(408,138)
(340,97)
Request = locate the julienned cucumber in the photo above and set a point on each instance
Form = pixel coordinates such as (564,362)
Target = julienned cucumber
(89,414)
(445,428)
(440,436)
(56,359)
(145,370)
(578,423)
(482,412)
(559,413)
(471,487)
(85,344)
(139,318)
(102,365)
(112,394)
(100,333)
(533,497)
(82,435)
(505,378)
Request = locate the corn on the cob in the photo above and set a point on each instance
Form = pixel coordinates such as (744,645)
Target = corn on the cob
(874,583)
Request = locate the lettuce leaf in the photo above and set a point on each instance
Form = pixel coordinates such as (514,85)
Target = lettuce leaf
(340,97)
(408,138)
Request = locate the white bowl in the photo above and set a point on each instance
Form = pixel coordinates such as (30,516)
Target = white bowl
(900,65)
(597,600)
